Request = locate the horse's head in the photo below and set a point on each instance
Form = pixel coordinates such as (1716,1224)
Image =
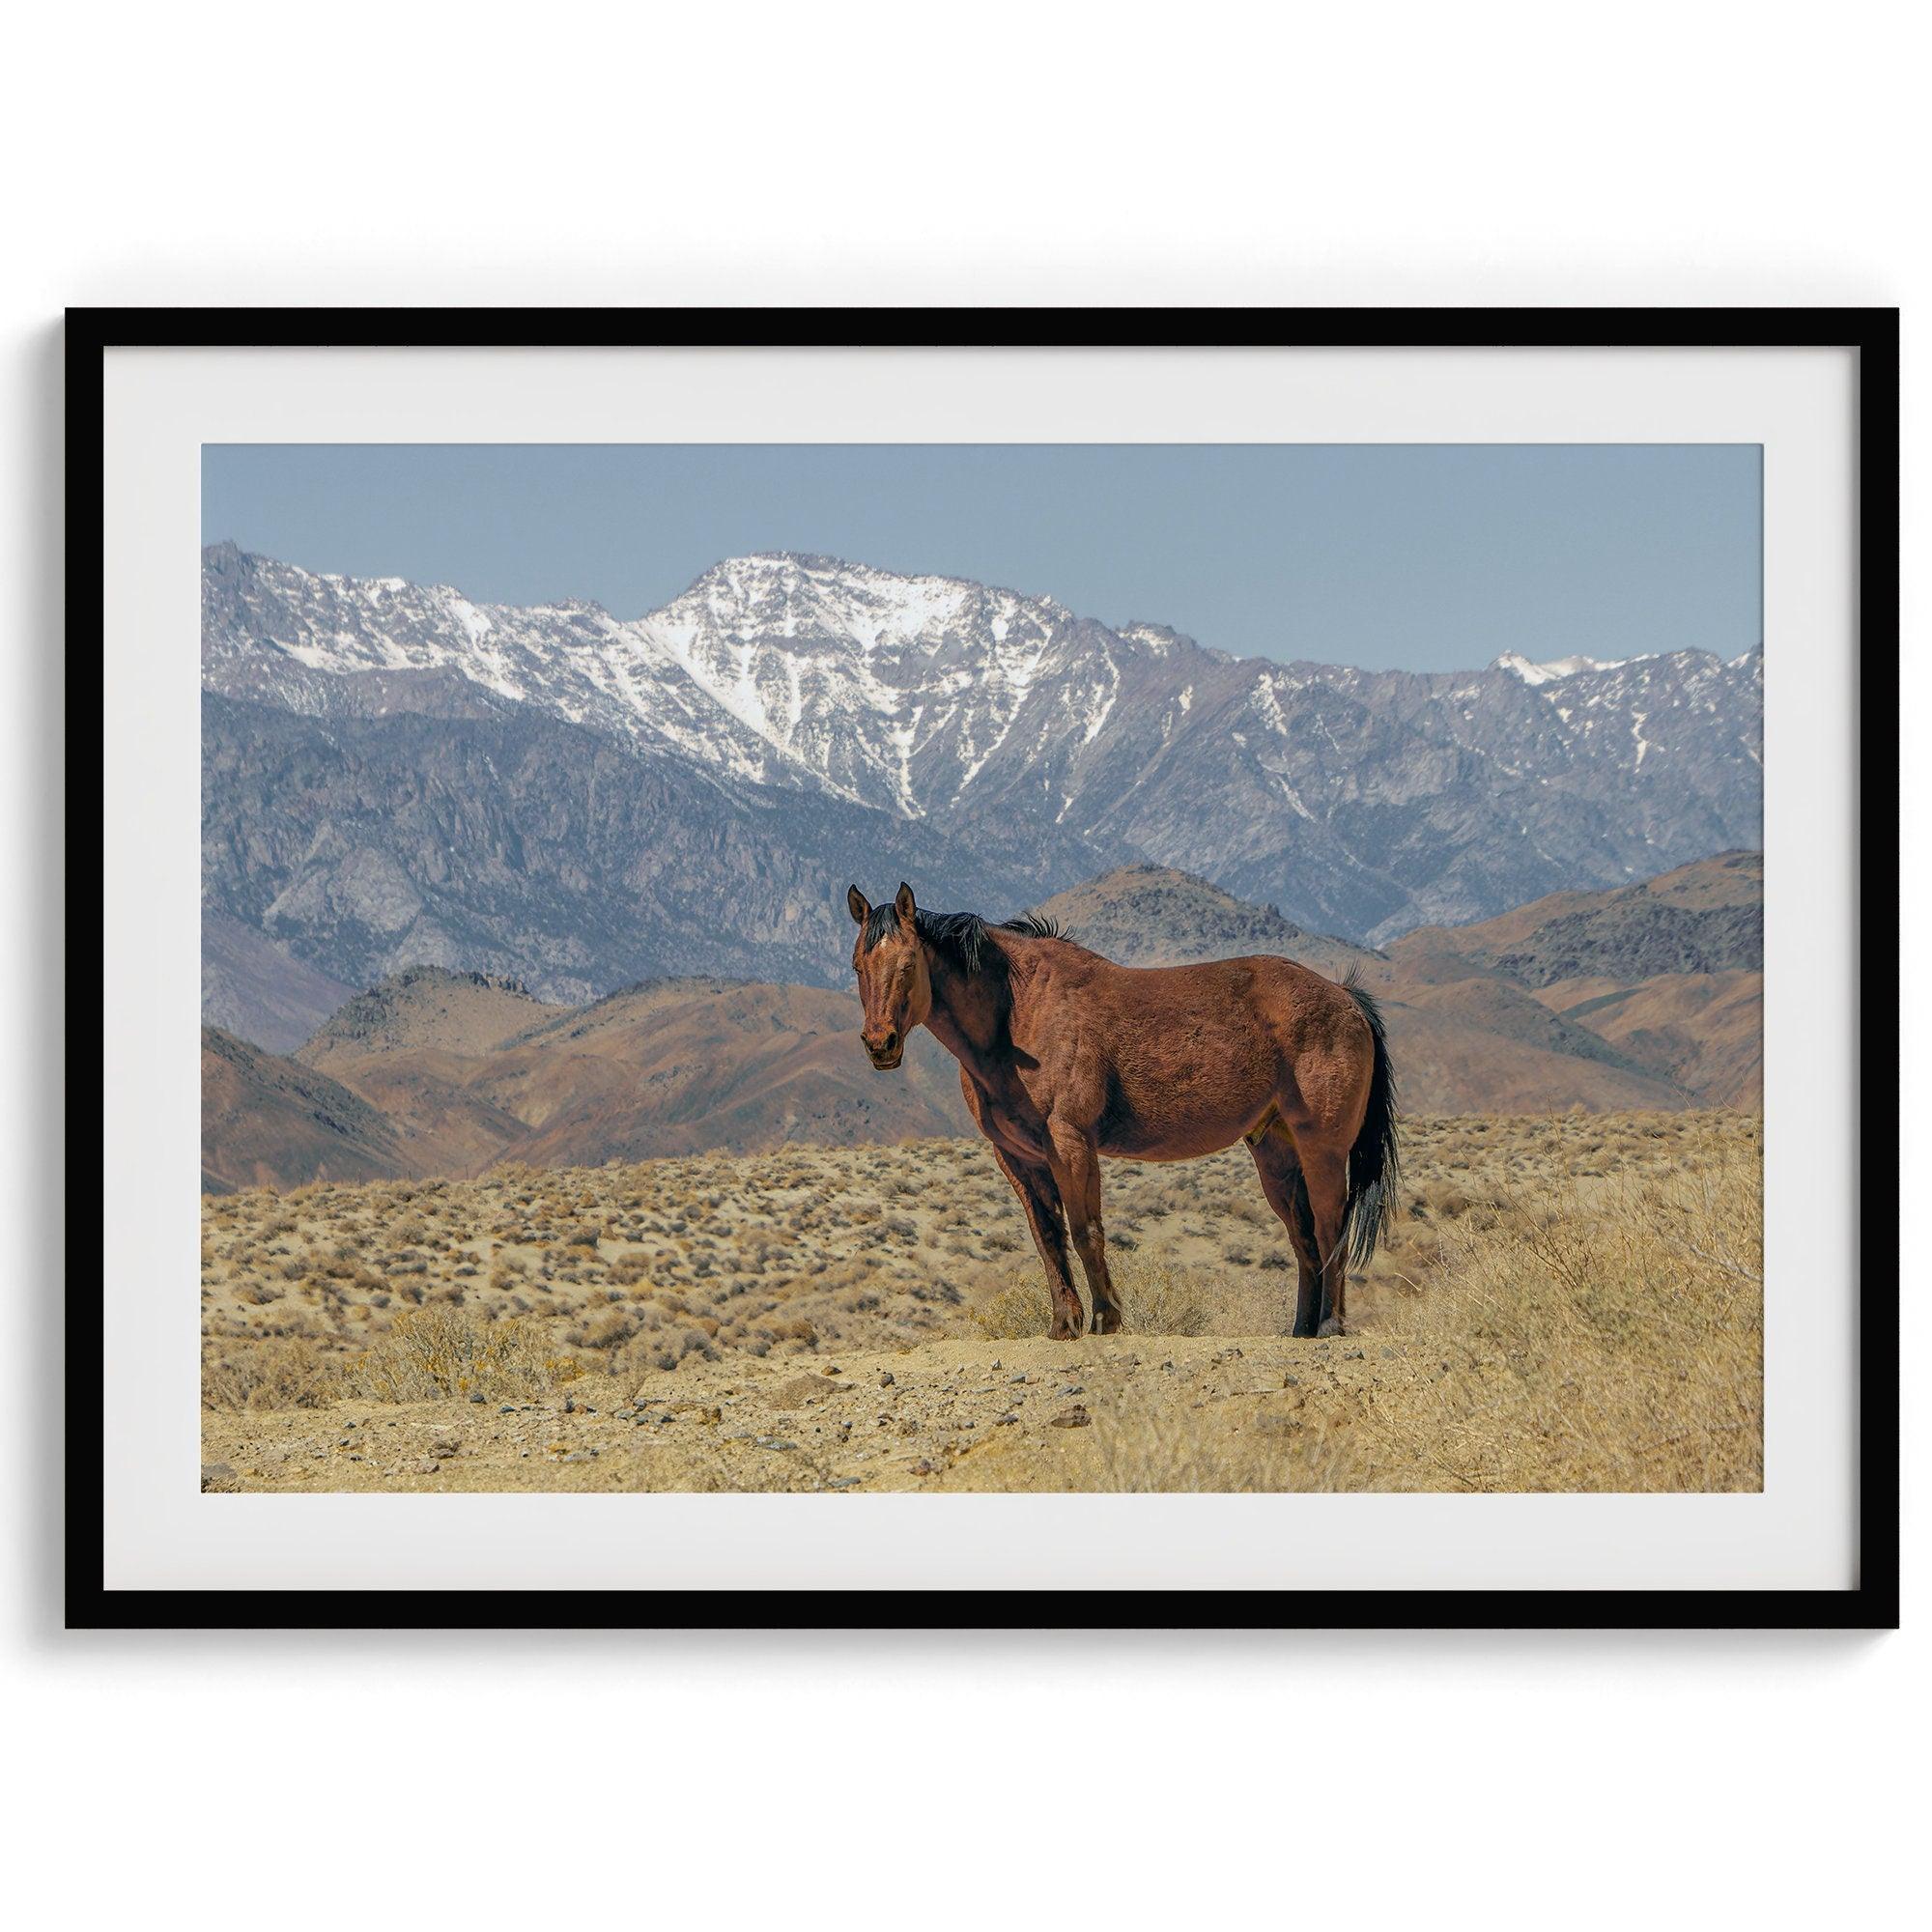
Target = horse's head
(894,986)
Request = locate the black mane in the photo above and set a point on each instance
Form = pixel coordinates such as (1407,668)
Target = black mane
(959,937)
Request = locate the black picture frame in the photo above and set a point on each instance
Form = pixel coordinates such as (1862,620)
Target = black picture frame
(1872,1603)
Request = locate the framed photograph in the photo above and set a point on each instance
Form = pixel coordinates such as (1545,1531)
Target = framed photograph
(1166,968)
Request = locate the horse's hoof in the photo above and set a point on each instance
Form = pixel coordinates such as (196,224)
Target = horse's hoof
(1060,1332)
(1108,1323)
(1331,1326)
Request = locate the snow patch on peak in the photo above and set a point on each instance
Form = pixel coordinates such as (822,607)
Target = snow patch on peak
(787,595)
(476,623)
(1556,669)
(1155,637)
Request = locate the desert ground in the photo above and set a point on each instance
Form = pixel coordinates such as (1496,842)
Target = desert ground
(1568,1302)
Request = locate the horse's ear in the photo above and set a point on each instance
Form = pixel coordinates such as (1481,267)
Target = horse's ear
(855,901)
(903,905)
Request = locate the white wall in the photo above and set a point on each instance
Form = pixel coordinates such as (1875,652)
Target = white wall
(1392,153)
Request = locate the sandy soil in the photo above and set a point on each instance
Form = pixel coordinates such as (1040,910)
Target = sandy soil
(1031,1415)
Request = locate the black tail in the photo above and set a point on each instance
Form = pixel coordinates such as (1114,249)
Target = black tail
(1374,1166)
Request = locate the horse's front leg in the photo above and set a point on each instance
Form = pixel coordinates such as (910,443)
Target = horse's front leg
(1076,1172)
(1034,1188)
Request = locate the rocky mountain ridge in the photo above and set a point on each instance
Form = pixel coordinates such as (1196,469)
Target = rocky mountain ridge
(394,772)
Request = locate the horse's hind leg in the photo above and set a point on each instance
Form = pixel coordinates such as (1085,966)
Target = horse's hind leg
(1035,1189)
(1325,1175)
(1076,1172)
(1280,1171)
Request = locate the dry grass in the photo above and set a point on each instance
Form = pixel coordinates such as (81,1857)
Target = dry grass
(1154,1300)
(1568,1302)
(1166,1451)
(1599,1335)
(269,1375)
(1613,1337)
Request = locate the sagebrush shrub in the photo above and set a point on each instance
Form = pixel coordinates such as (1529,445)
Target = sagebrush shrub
(438,1351)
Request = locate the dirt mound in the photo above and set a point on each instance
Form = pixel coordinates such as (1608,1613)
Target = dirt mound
(1154,915)
(1704,1030)
(426,1007)
(266,1121)
(1704,917)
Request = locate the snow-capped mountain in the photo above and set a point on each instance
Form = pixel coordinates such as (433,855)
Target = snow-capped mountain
(272,632)
(1043,744)
(894,691)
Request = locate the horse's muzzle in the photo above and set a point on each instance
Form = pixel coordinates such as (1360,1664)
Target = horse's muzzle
(887,1052)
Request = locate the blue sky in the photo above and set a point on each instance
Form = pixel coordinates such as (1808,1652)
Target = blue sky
(1419,558)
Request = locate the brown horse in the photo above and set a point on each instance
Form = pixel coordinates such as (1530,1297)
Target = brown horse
(1064,1056)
